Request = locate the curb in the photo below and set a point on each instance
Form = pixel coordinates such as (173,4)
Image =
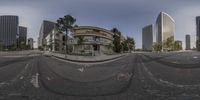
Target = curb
(80,61)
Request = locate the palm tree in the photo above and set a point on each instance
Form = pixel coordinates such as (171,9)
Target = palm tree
(65,25)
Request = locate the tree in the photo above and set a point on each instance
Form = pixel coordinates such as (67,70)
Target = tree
(117,47)
(157,46)
(128,44)
(110,47)
(124,45)
(80,42)
(13,47)
(169,43)
(22,45)
(131,43)
(65,25)
(198,45)
(177,46)
(1,46)
(28,47)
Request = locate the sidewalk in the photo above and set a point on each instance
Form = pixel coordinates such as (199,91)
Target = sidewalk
(85,59)
(19,53)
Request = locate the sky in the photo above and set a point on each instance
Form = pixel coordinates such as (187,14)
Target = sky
(129,16)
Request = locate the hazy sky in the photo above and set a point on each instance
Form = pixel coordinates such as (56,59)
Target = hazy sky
(129,16)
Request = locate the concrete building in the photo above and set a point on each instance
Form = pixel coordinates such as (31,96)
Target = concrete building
(187,42)
(9,31)
(164,28)
(55,41)
(22,35)
(198,27)
(92,40)
(46,28)
(147,38)
(30,43)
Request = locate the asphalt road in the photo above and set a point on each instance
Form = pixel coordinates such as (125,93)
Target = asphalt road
(137,76)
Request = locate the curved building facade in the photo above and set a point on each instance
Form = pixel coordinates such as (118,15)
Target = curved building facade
(165,27)
(9,29)
(95,39)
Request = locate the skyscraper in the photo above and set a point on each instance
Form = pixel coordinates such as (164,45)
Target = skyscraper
(147,38)
(22,35)
(46,28)
(9,30)
(187,42)
(165,27)
(198,27)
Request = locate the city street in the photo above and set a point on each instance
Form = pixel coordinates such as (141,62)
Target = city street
(136,76)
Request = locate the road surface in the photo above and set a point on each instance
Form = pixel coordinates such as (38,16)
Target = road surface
(137,76)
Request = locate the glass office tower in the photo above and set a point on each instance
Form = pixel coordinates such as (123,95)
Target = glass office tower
(46,28)
(147,38)
(187,42)
(9,30)
(164,28)
(198,27)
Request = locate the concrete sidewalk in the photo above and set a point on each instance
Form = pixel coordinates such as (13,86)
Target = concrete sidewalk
(19,53)
(85,59)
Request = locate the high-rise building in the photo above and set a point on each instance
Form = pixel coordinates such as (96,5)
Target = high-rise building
(30,42)
(9,30)
(54,41)
(198,27)
(164,28)
(46,28)
(187,42)
(147,38)
(22,35)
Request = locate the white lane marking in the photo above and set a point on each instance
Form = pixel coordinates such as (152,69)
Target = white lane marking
(3,83)
(195,57)
(15,78)
(160,81)
(80,69)
(21,77)
(14,94)
(86,65)
(48,78)
(35,81)
(22,72)
(174,62)
(13,56)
